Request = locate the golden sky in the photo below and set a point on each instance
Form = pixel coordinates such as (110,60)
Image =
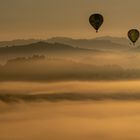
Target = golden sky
(48,18)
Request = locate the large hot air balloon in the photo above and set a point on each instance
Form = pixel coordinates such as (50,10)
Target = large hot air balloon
(96,20)
(133,35)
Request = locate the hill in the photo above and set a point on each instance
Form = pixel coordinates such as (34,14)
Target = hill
(105,42)
(44,48)
(39,68)
(102,43)
(18,42)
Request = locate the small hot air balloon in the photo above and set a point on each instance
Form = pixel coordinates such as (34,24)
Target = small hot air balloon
(96,20)
(133,35)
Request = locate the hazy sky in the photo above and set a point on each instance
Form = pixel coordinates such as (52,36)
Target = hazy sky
(47,18)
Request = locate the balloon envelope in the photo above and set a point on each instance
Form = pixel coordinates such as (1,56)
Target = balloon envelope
(133,35)
(96,20)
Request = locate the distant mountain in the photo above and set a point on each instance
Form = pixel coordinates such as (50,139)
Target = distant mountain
(43,48)
(104,43)
(118,40)
(18,42)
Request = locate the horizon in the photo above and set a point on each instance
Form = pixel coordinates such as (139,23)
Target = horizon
(69,37)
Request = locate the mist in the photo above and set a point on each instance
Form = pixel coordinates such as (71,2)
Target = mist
(69,91)
(68,67)
(79,120)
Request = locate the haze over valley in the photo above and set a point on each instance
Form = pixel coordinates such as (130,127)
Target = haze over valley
(69,70)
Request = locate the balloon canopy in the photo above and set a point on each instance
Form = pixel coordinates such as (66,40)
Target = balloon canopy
(133,35)
(96,20)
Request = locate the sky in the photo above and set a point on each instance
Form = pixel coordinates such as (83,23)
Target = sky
(22,19)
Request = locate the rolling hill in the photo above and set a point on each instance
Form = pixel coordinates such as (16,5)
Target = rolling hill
(105,43)
(44,48)
(102,43)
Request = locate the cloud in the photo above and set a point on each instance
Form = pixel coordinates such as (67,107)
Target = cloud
(59,97)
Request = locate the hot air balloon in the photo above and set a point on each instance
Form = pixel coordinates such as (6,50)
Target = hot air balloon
(96,20)
(133,35)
